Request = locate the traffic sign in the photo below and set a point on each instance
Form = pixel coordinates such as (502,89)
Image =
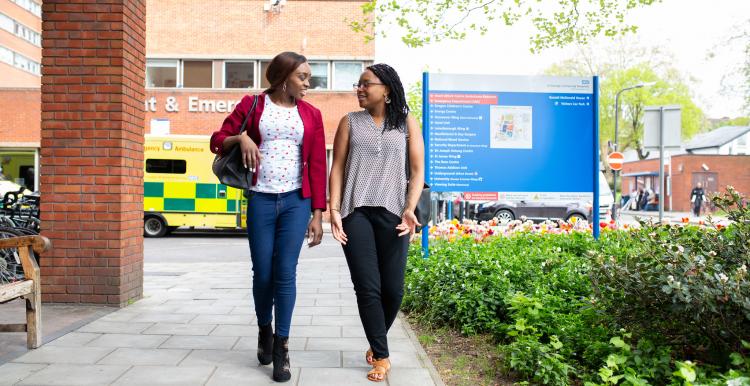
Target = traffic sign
(615,160)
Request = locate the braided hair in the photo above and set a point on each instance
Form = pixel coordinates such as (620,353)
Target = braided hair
(397,110)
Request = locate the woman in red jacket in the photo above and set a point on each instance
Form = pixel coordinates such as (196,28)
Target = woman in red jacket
(284,144)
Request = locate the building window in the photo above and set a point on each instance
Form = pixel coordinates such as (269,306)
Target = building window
(19,61)
(319,80)
(161,73)
(6,55)
(345,74)
(239,74)
(197,73)
(11,25)
(263,68)
(7,23)
(30,6)
(27,64)
(169,166)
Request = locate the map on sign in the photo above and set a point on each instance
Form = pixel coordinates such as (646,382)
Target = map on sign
(510,127)
(511,137)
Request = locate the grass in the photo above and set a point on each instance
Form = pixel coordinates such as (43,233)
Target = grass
(460,360)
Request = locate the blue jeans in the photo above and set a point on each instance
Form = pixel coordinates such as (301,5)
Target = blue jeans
(276,225)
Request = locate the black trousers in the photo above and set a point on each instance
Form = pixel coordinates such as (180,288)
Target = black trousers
(376,256)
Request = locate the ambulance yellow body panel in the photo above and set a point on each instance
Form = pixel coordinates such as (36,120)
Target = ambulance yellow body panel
(180,190)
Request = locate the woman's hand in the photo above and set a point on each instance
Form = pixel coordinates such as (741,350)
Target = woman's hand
(337,229)
(250,152)
(315,229)
(408,224)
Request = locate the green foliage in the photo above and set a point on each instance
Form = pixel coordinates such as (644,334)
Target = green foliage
(557,22)
(686,285)
(669,88)
(568,309)
(414,100)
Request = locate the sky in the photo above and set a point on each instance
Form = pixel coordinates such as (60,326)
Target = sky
(688,30)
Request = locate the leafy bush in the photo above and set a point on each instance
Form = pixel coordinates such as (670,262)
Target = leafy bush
(686,285)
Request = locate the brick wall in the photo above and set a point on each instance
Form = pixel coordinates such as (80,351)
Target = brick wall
(333,106)
(241,27)
(92,150)
(730,170)
(20,116)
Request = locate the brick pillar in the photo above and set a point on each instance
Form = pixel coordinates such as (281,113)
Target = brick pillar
(93,59)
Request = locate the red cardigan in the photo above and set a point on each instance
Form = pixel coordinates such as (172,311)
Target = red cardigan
(313,143)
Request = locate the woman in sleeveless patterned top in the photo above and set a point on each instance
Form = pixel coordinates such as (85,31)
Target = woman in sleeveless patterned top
(372,210)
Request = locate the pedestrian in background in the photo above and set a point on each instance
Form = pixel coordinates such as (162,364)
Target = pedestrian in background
(697,196)
(376,180)
(284,144)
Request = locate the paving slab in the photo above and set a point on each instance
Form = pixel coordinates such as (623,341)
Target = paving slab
(165,375)
(180,329)
(128,340)
(200,342)
(66,355)
(248,376)
(145,356)
(221,358)
(14,372)
(75,375)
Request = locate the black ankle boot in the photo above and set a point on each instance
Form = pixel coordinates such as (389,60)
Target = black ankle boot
(265,344)
(281,367)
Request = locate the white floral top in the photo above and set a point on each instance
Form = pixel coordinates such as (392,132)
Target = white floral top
(281,130)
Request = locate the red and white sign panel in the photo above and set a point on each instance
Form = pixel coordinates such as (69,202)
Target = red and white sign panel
(615,160)
(480,196)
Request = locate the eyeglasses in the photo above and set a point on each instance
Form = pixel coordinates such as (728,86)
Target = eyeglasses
(365,85)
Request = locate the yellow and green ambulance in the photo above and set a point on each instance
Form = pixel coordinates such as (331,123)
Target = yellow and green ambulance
(180,190)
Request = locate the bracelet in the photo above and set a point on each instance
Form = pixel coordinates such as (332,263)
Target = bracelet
(334,209)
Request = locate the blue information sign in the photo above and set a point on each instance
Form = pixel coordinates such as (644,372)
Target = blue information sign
(496,137)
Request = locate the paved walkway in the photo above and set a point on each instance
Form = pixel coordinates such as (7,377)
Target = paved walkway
(196,326)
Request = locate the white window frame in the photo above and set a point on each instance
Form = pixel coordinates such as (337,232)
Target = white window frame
(328,73)
(30,6)
(34,67)
(22,31)
(182,72)
(333,72)
(170,63)
(256,72)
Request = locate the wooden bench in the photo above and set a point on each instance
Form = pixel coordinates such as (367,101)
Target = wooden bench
(29,288)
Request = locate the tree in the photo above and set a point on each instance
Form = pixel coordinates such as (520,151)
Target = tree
(624,66)
(556,22)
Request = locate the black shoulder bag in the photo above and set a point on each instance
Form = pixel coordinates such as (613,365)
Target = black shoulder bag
(230,169)
(423,210)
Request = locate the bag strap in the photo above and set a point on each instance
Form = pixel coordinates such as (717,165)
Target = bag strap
(249,113)
(406,162)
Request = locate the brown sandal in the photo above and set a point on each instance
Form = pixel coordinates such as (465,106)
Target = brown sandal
(379,370)
(369,356)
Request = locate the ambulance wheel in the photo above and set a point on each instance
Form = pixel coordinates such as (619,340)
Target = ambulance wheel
(154,226)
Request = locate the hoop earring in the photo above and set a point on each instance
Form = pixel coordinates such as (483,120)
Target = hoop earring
(387,100)
(283,88)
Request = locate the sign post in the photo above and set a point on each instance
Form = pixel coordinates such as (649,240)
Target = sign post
(662,128)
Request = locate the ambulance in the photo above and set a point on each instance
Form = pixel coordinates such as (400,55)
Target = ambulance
(180,190)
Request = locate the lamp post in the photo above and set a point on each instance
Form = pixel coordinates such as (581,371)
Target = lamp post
(617,115)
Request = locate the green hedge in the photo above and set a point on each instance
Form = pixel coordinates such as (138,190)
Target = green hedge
(565,308)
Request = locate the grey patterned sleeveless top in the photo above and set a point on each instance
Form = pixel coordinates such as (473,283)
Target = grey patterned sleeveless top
(375,172)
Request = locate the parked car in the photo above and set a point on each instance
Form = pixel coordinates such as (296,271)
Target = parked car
(540,211)
(533,210)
